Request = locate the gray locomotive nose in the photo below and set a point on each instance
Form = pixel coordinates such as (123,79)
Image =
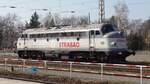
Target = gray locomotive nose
(115,34)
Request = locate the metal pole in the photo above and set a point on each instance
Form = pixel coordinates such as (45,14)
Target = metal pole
(5,63)
(141,74)
(23,66)
(89,15)
(101,72)
(45,64)
(70,70)
(101,8)
(110,8)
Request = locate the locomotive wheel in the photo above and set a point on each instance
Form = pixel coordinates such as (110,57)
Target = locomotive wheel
(77,56)
(43,56)
(33,55)
(25,55)
(122,59)
(39,55)
(71,57)
(101,57)
(20,55)
(111,59)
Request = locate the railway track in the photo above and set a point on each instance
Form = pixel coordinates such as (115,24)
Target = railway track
(84,67)
(123,70)
(127,62)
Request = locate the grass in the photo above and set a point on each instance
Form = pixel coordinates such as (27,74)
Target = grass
(60,79)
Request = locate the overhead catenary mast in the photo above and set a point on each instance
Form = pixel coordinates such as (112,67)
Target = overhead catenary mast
(101,11)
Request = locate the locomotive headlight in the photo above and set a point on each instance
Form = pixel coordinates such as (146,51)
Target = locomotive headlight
(113,43)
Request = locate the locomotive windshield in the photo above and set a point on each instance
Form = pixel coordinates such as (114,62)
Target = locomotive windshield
(107,28)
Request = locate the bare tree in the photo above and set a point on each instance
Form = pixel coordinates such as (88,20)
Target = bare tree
(55,20)
(8,31)
(84,20)
(113,20)
(135,26)
(75,21)
(49,21)
(146,33)
(67,21)
(122,11)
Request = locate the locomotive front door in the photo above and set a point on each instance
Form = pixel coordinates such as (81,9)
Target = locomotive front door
(25,38)
(92,41)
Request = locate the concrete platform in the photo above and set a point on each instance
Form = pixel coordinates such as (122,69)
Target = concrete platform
(11,81)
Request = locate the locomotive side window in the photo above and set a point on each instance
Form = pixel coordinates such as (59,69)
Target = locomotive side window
(24,36)
(63,34)
(82,34)
(73,34)
(55,35)
(33,36)
(107,28)
(92,32)
(68,34)
(76,34)
(48,35)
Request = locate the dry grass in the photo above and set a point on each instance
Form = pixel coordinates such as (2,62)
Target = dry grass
(60,80)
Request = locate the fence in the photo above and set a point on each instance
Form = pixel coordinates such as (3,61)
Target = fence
(70,68)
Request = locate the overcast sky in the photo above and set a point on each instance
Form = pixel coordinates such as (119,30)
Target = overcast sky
(138,9)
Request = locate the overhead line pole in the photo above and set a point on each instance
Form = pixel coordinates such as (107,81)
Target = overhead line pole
(110,8)
(101,11)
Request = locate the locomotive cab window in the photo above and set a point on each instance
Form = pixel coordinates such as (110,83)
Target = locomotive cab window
(97,32)
(107,29)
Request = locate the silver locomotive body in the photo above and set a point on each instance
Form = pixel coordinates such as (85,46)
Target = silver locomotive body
(94,42)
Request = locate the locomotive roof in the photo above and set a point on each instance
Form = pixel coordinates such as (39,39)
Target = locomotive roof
(63,29)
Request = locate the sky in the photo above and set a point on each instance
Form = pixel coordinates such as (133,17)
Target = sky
(138,9)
